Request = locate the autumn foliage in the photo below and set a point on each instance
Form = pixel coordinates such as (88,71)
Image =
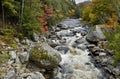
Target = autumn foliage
(101,12)
(48,12)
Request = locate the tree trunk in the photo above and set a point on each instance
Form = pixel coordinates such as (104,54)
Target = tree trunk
(22,10)
(3,16)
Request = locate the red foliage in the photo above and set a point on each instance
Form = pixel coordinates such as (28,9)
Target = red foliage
(42,29)
(46,27)
(48,12)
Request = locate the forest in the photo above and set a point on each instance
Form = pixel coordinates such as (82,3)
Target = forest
(32,15)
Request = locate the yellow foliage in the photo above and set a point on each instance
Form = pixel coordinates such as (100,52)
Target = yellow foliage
(92,17)
(58,11)
(60,16)
(67,0)
(71,12)
(112,22)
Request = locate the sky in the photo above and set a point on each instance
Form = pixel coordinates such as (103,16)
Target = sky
(78,1)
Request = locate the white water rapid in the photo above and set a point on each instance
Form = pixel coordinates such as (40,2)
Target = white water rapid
(76,63)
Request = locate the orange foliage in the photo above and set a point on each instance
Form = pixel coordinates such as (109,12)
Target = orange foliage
(48,12)
(42,29)
(112,22)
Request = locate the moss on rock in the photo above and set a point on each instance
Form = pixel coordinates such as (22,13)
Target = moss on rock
(3,59)
(41,58)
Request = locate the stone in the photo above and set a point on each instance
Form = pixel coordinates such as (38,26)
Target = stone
(62,48)
(116,71)
(90,46)
(11,74)
(29,77)
(92,37)
(70,76)
(17,40)
(35,37)
(35,75)
(65,33)
(27,41)
(53,43)
(102,54)
(80,41)
(66,68)
(24,57)
(17,60)
(57,29)
(10,61)
(83,32)
(46,57)
(62,26)
(82,47)
(63,41)
(99,32)
(12,55)
(95,36)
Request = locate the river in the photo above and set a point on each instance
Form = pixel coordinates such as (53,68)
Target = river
(70,41)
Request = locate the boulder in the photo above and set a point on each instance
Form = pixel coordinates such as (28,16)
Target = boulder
(36,75)
(80,41)
(82,47)
(62,26)
(92,37)
(46,57)
(66,68)
(102,54)
(35,37)
(24,57)
(53,43)
(95,36)
(12,55)
(11,75)
(63,49)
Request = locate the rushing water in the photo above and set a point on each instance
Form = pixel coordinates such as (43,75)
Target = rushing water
(76,62)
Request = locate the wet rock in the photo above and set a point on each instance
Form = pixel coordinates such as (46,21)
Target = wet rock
(66,68)
(90,46)
(62,48)
(57,29)
(24,57)
(116,71)
(63,41)
(80,41)
(71,76)
(53,36)
(62,26)
(102,54)
(53,43)
(82,47)
(65,33)
(83,32)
